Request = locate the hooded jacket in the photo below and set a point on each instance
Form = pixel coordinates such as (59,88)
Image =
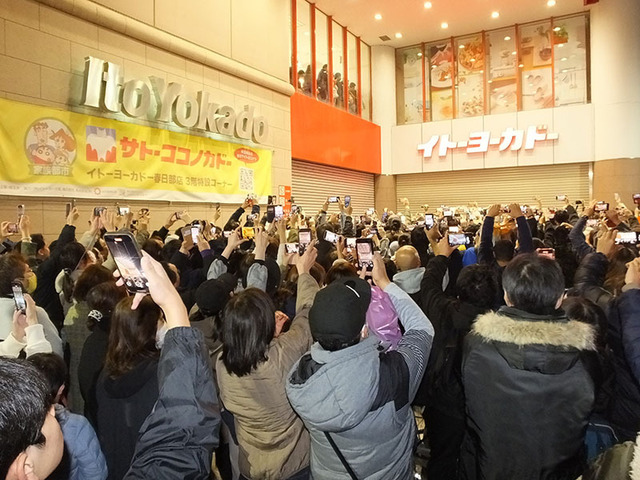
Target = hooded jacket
(362,397)
(528,395)
(409,280)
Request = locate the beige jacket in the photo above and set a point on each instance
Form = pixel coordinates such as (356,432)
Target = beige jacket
(274,443)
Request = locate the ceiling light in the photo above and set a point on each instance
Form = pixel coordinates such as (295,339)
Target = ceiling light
(377,16)
(551,3)
(556,29)
(507,38)
(495,14)
(398,35)
(427,5)
(419,54)
(563,59)
(514,53)
(444,25)
(560,45)
(461,45)
(521,66)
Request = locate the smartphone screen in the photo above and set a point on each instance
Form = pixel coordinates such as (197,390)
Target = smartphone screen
(447,213)
(12,228)
(602,207)
(271,213)
(248,233)
(364,252)
(124,250)
(347,201)
(330,236)
(592,222)
(333,199)
(636,198)
(20,211)
(351,244)
(457,239)
(547,252)
(227,233)
(562,198)
(195,231)
(186,231)
(18,297)
(278,212)
(454,229)
(123,211)
(627,238)
(429,221)
(98,210)
(304,238)
(291,247)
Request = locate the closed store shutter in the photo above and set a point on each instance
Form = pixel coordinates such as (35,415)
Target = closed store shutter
(313,183)
(496,185)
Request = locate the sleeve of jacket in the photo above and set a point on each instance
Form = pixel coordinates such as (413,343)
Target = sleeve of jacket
(485,249)
(162,233)
(88,459)
(257,276)
(28,249)
(432,299)
(36,341)
(88,239)
(142,236)
(50,331)
(524,235)
(629,312)
(235,217)
(573,214)
(11,347)
(578,242)
(307,289)
(217,268)
(178,438)
(533,226)
(415,344)
(549,239)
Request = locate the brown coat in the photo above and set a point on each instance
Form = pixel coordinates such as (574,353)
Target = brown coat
(274,443)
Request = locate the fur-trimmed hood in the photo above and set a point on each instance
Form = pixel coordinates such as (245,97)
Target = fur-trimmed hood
(634,468)
(545,344)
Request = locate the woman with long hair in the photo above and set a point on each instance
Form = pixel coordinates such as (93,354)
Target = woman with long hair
(127,388)
(252,372)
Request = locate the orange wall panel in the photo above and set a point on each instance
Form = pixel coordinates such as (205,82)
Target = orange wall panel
(324,134)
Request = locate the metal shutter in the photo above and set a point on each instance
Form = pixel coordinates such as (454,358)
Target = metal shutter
(496,185)
(312,183)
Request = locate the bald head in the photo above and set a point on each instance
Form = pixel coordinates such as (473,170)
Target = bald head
(407,258)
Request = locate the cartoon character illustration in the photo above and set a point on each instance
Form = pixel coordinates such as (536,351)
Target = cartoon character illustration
(63,140)
(61,158)
(41,131)
(101,144)
(43,155)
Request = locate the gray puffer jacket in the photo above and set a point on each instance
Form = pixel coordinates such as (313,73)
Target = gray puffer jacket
(362,397)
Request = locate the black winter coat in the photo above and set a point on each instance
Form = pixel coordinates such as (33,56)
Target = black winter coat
(529,394)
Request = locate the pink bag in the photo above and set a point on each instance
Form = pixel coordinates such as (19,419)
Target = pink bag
(382,318)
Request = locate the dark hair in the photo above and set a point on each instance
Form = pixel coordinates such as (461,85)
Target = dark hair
(533,283)
(104,297)
(132,335)
(419,240)
(53,369)
(173,276)
(340,270)
(153,246)
(318,272)
(90,277)
(617,270)
(272,248)
(248,326)
(12,267)
(478,285)
(503,250)
(335,344)
(390,267)
(24,403)
(584,310)
(38,240)
(404,239)
(169,249)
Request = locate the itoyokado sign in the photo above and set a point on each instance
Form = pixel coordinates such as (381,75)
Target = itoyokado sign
(479,142)
(51,152)
(105,89)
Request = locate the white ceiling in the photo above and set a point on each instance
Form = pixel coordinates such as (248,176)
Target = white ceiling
(418,24)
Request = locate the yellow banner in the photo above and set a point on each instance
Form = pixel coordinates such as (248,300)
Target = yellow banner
(51,152)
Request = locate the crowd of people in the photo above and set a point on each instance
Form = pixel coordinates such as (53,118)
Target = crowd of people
(280,348)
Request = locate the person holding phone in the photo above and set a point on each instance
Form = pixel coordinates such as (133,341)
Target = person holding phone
(26,333)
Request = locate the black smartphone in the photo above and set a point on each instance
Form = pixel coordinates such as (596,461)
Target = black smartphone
(304,239)
(547,252)
(271,213)
(364,252)
(98,210)
(578,202)
(271,199)
(18,297)
(70,206)
(602,207)
(255,210)
(347,201)
(333,199)
(125,252)
(429,221)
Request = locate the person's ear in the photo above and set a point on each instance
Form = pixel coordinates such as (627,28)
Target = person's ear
(22,468)
(507,301)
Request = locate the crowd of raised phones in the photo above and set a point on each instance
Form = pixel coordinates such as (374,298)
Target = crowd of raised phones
(303,346)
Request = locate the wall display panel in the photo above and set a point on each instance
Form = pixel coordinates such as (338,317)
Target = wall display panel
(441,65)
(365,61)
(322,56)
(570,60)
(352,74)
(312,184)
(502,64)
(499,185)
(536,55)
(470,67)
(409,85)
(337,52)
(303,13)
